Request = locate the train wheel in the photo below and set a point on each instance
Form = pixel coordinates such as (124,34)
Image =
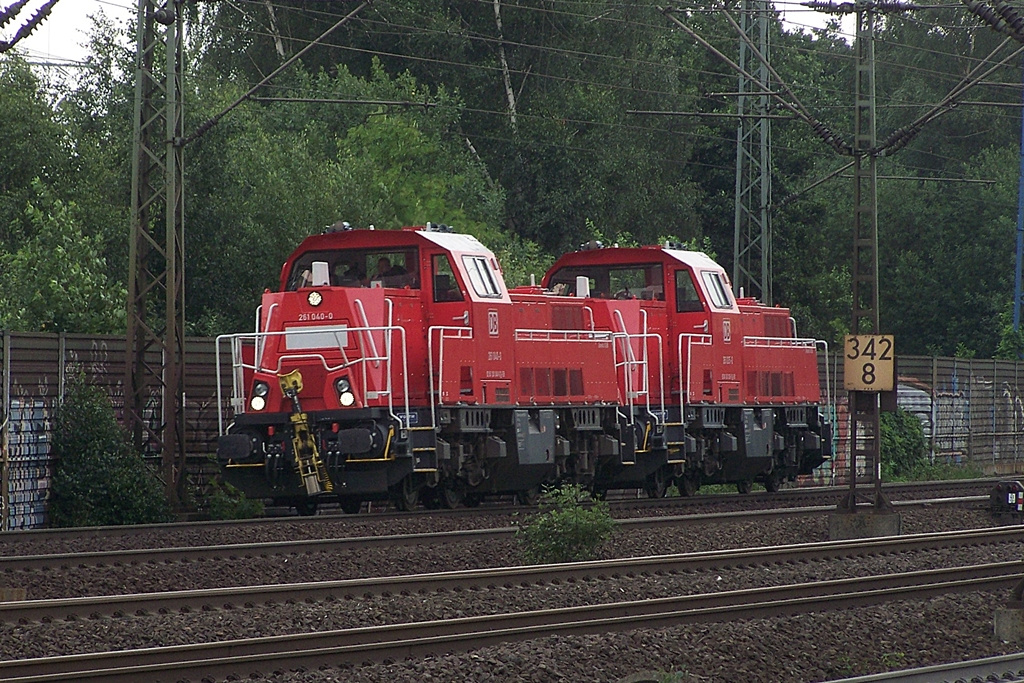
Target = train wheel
(306,508)
(688,484)
(351,506)
(773,482)
(656,485)
(744,486)
(405,495)
(528,497)
(450,495)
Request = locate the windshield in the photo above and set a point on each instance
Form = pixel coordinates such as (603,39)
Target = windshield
(396,268)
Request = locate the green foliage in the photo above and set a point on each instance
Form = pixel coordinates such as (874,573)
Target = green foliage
(57,281)
(99,480)
(224,501)
(569,527)
(904,449)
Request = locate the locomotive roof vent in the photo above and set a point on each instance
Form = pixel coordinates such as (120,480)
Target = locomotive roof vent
(439,227)
(672,244)
(592,244)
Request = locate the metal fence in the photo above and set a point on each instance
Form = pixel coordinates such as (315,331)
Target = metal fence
(971,410)
(34,371)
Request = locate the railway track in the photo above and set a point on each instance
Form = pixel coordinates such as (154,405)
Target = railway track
(1005,668)
(380,643)
(354,543)
(797,497)
(92,607)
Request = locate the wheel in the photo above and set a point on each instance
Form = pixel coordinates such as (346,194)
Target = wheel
(773,482)
(688,484)
(405,495)
(528,497)
(306,508)
(351,506)
(471,500)
(656,485)
(450,495)
(744,486)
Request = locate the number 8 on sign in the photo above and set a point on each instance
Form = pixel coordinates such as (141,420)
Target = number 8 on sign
(869,362)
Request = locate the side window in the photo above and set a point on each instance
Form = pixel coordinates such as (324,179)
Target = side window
(481,277)
(716,289)
(445,286)
(687,300)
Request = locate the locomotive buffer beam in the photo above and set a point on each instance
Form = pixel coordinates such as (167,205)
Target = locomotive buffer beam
(307,457)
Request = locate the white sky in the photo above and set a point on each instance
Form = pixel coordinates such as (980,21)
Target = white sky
(62,35)
(60,38)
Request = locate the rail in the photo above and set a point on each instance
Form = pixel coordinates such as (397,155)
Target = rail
(779,342)
(643,365)
(258,340)
(691,341)
(442,332)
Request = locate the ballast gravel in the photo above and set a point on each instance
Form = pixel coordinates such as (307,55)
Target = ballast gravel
(808,647)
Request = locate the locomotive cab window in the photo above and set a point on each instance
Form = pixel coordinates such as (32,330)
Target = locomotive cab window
(717,290)
(687,299)
(446,287)
(483,279)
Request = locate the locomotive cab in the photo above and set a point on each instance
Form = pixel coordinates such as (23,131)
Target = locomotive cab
(740,391)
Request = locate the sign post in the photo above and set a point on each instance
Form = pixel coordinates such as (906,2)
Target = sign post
(869,369)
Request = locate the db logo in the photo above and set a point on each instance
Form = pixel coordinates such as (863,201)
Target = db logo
(492,322)
(727,330)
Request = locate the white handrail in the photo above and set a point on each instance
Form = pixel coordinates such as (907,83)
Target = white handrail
(691,341)
(441,330)
(366,323)
(238,366)
(779,341)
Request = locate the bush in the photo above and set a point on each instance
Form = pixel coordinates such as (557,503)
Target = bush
(224,501)
(569,527)
(903,445)
(99,480)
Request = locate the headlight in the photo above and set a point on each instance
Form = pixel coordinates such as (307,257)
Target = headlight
(260,389)
(257,403)
(344,389)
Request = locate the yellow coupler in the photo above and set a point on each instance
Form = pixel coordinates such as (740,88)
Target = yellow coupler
(307,457)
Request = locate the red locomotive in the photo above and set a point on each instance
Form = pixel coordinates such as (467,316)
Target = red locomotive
(396,364)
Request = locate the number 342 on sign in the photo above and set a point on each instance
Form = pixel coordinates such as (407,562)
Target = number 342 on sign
(869,362)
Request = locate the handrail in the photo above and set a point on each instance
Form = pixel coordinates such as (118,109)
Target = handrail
(442,329)
(527,334)
(366,323)
(691,341)
(238,365)
(588,309)
(779,341)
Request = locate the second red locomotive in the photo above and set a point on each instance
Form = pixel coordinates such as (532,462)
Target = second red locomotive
(396,364)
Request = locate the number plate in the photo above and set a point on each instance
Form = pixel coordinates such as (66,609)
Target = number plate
(869,362)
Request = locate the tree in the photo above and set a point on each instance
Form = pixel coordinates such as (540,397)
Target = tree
(57,281)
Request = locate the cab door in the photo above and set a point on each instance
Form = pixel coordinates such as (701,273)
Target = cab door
(450,333)
(693,337)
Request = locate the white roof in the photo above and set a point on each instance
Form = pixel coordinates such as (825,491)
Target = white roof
(456,242)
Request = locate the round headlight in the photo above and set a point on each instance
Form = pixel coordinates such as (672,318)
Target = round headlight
(347,398)
(258,403)
(260,389)
(343,385)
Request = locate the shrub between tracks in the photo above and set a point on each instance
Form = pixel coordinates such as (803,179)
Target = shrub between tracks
(570,526)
